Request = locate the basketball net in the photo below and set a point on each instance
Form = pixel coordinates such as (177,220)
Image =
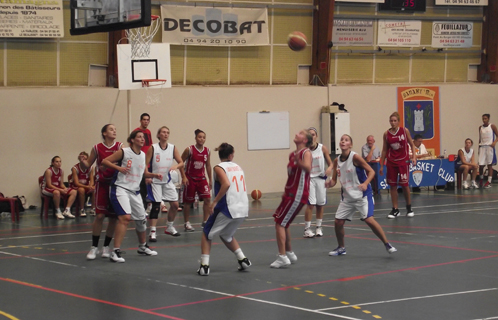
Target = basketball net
(153,97)
(141,38)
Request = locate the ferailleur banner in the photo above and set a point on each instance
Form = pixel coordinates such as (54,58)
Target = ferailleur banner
(31,19)
(208,26)
(452,34)
(419,111)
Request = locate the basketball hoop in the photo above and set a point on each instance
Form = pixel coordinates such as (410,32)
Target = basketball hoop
(141,38)
(153,98)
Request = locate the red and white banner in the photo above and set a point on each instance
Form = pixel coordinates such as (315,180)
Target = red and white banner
(208,26)
(31,19)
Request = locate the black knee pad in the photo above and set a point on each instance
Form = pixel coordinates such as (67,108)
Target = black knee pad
(154,211)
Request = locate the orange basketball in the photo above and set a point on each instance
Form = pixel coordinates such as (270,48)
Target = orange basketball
(297,41)
(256,194)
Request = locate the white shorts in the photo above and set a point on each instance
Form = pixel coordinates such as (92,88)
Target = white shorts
(127,202)
(219,224)
(318,192)
(365,206)
(162,192)
(487,155)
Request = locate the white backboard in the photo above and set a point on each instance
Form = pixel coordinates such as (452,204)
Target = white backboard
(156,66)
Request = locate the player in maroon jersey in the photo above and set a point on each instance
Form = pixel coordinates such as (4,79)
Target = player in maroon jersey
(53,186)
(103,177)
(294,198)
(82,180)
(144,124)
(395,149)
(197,163)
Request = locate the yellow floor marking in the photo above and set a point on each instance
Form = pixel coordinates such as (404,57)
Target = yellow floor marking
(377,317)
(331,298)
(8,315)
(308,291)
(321,295)
(296,288)
(25,247)
(356,307)
(344,302)
(366,311)
(37,248)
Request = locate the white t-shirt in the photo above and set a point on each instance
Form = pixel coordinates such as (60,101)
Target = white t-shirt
(136,164)
(419,150)
(235,203)
(161,161)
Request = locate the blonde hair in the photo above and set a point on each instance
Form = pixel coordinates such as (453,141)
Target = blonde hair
(395,114)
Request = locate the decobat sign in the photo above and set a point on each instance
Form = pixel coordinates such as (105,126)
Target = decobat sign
(214,26)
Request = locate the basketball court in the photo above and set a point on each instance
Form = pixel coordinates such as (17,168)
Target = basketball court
(445,268)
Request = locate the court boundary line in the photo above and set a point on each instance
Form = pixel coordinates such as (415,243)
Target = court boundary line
(411,298)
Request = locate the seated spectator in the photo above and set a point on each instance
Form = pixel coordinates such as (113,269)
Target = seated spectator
(467,163)
(420,149)
(53,186)
(369,151)
(82,180)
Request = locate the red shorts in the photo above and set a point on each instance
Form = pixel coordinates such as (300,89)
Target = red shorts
(397,172)
(287,211)
(102,203)
(201,187)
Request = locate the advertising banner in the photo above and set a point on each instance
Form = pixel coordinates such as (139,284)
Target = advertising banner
(28,19)
(462,2)
(399,33)
(352,32)
(452,34)
(207,26)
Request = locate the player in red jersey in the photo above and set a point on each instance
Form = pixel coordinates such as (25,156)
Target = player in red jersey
(197,163)
(395,149)
(103,177)
(53,186)
(82,180)
(294,198)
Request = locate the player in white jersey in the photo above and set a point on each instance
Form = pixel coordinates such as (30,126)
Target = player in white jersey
(125,193)
(228,210)
(160,157)
(467,163)
(356,194)
(321,168)
(488,136)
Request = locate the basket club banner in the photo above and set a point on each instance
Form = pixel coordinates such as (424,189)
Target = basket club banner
(208,26)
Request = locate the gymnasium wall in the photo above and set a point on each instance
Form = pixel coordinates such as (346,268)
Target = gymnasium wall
(39,123)
(65,61)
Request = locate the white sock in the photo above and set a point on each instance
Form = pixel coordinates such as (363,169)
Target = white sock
(319,222)
(490,178)
(58,210)
(152,229)
(142,245)
(68,209)
(290,252)
(307,224)
(473,181)
(205,259)
(169,224)
(239,254)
